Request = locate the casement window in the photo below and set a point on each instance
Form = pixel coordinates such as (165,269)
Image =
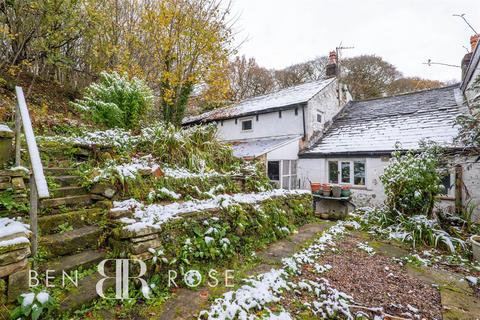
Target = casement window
(283,173)
(448,184)
(247,125)
(319,117)
(346,172)
(273,172)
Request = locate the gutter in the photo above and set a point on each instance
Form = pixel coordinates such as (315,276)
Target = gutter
(304,126)
(246,114)
(316,155)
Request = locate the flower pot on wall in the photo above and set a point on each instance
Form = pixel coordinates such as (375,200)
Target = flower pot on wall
(315,187)
(336,191)
(475,240)
(346,191)
(327,189)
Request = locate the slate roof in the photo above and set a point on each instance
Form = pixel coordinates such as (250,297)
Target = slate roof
(288,97)
(375,126)
(253,148)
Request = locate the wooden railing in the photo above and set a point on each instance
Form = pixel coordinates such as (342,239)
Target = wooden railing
(38,183)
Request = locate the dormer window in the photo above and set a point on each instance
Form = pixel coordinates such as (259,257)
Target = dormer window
(247,125)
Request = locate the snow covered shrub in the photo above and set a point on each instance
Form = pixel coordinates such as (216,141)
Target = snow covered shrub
(470,123)
(116,100)
(412,182)
(417,230)
(32,306)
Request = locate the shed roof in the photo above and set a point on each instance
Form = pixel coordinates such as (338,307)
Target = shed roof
(253,148)
(288,97)
(375,126)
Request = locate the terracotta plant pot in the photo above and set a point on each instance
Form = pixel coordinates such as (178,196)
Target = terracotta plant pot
(336,191)
(327,189)
(475,240)
(315,187)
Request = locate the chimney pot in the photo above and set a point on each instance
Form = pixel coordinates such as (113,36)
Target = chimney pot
(474,41)
(332,69)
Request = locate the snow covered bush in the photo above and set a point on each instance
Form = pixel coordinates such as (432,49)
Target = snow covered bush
(418,230)
(412,182)
(116,100)
(32,306)
(470,123)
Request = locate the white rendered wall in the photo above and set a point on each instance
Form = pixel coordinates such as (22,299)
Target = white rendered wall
(326,103)
(286,152)
(268,125)
(372,194)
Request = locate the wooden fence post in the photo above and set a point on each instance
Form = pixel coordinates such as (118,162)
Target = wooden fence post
(458,188)
(33,214)
(18,136)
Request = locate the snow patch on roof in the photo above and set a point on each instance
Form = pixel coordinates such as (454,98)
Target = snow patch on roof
(379,124)
(282,98)
(257,147)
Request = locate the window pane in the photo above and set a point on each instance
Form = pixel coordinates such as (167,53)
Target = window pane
(247,125)
(346,172)
(286,167)
(294,167)
(273,170)
(446,183)
(286,182)
(333,171)
(359,173)
(319,117)
(293,182)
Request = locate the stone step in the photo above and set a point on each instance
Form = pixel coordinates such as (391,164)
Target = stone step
(68,191)
(81,200)
(58,171)
(86,291)
(84,259)
(70,242)
(66,181)
(49,224)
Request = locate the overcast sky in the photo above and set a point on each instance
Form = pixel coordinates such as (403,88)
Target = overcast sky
(406,33)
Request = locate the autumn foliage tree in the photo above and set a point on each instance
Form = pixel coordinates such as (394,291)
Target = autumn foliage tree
(410,84)
(368,76)
(173,44)
(248,79)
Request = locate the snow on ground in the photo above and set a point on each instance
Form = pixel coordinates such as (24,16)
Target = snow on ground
(259,292)
(154,215)
(128,170)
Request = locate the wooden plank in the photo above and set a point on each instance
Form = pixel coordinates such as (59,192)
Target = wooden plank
(33,214)
(458,188)
(18,136)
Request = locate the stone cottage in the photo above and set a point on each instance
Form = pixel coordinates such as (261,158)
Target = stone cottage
(276,126)
(357,145)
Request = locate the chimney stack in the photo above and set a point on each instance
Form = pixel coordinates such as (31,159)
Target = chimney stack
(332,67)
(468,57)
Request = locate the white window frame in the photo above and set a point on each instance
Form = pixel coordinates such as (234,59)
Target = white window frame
(339,168)
(318,112)
(282,174)
(244,120)
(450,192)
